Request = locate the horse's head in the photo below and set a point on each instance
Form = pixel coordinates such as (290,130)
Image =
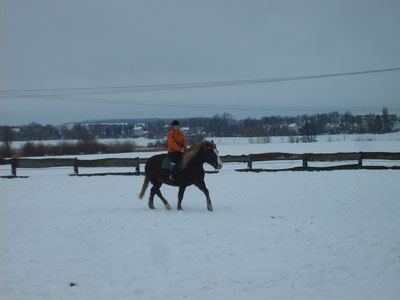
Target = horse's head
(210,154)
(203,152)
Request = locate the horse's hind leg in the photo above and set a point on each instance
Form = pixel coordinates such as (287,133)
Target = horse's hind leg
(180,196)
(166,204)
(151,199)
(155,190)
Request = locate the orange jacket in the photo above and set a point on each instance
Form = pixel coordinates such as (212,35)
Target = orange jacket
(176,141)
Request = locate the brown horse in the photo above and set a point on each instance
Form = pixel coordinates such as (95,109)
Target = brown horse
(191,172)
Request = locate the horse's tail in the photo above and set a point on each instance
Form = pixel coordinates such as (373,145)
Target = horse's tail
(144,187)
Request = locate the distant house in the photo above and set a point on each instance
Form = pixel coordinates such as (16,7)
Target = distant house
(16,129)
(69,126)
(293,128)
(396,126)
(198,131)
(332,128)
(139,129)
(185,129)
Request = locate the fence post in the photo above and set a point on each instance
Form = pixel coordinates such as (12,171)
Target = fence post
(360,160)
(138,165)
(305,162)
(76,168)
(14,167)
(250,163)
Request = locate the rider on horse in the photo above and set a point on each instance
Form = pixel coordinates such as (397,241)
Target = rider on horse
(176,146)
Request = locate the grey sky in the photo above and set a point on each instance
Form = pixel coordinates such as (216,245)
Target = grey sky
(97,43)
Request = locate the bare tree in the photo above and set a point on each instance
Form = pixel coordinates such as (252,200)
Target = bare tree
(7,137)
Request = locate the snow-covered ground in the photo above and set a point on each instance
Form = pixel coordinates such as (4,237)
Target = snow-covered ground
(286,235)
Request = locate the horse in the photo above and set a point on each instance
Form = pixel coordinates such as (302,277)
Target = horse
(191,172)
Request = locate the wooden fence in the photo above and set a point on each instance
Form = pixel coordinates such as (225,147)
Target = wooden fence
(357,157)
(305,158)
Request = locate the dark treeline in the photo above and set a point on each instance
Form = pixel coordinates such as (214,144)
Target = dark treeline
(224,125)
(221,125)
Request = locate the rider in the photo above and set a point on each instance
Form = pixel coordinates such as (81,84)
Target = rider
(176,146)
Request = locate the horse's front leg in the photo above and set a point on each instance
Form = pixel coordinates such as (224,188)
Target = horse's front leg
(203,188)
(180,196)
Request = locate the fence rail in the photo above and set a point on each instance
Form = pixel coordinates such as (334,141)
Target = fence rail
(248,159)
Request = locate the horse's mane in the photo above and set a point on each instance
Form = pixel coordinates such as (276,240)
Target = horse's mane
(194,150)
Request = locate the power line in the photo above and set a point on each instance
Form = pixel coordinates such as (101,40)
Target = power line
(216,106)
(175,86)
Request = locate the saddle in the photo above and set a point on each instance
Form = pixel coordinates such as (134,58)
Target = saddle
(167,161)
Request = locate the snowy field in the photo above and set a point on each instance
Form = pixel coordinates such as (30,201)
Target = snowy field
(286,235)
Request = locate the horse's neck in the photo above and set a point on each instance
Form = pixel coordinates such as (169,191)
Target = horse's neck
(197,161)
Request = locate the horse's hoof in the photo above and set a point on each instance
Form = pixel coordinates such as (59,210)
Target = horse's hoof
(210,208)
(167,207)
(180,208)
(151,207)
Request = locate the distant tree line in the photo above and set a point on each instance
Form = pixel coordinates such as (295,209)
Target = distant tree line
(221,125)
(316,124)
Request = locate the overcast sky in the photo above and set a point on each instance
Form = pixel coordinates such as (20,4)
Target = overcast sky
(73,44)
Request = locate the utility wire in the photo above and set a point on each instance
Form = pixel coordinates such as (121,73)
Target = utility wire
(212,106)
(177,86)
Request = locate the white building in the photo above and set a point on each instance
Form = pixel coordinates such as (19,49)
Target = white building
(396,126)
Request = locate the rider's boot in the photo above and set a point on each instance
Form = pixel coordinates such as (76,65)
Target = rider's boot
(172,171)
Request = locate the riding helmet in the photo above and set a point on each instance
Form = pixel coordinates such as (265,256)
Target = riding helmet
(175,122)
